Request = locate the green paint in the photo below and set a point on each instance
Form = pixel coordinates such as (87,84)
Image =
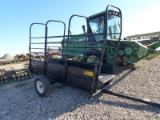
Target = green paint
(130,51)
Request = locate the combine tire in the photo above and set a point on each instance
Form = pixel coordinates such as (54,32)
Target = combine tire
(92,59)
(42,86)
(92,56)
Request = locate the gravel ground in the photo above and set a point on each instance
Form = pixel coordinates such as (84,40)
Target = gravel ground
(19,101)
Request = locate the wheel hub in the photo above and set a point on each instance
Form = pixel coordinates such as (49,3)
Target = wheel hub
(40,87)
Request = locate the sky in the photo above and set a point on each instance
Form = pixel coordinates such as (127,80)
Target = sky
(139,16)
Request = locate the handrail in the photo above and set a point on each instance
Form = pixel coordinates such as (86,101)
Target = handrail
(30,37)
(46,37)
(69,26)
(106,31)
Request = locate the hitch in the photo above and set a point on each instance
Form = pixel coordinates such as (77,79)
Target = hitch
(146,101)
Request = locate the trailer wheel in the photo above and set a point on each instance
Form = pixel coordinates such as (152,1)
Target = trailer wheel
(42,86)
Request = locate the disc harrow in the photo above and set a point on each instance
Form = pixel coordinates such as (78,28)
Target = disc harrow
(12,75)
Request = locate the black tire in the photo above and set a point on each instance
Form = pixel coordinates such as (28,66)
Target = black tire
(93,53)
(42,85)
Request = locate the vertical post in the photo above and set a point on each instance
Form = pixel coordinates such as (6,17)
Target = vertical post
(87,20)
(69,26)
(30,46)
(95,78)
(30,38)
(45,51)
(115,57)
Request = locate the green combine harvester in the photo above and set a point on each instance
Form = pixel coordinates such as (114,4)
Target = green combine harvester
(88,49)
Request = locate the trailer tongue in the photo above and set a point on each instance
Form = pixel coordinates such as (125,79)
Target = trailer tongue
(85,61)
(146,101)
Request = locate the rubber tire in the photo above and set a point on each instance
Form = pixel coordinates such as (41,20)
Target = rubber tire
(46,85)
(88,54)
(93,57)
(96,53)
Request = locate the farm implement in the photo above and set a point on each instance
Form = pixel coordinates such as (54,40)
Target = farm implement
(12,75)
(85,61)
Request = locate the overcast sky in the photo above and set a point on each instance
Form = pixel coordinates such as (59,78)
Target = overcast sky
(139,16)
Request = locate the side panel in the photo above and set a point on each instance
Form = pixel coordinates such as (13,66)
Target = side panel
(78,82)
(37,67)
(56,72)
(80,78)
